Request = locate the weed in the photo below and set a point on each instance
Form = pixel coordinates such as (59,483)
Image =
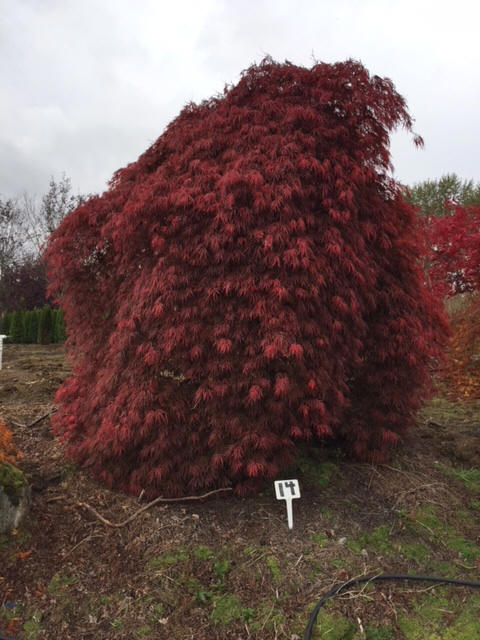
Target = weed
(33,626)
(145,631)
(117,623)
(321,539)
(354,546)
(59,584)
(203,553)
(221,568)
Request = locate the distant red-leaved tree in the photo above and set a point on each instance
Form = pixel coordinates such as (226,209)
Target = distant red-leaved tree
(455,269)
(455,250)
(251,281)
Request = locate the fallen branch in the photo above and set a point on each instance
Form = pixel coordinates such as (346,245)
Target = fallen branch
(117,525)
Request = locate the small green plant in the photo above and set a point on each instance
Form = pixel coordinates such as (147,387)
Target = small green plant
(203,553)
(145,631)
(117,623)
(221,568)
(32,626)
(320,539)
(59,584)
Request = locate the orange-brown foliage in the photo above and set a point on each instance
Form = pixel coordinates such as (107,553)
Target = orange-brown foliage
(461,372)
(8,451)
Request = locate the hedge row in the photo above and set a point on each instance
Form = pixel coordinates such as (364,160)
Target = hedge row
(40,326)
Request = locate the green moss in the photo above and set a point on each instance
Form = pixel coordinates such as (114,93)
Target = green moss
(427,619)
(415,552)
(379,633)
(378,540)
(227,610)
(413,628)
(169,559)
(333,627)
(272,564)
(13,481)
(464,547)
(266,618)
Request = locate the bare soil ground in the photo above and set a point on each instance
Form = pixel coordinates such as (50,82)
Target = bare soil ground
(229,567)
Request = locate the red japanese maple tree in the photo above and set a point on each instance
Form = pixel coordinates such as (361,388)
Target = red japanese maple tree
(251,281)
(455,250)
(455,269)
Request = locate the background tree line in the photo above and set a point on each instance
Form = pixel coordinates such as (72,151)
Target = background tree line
(36,326)
(25,224)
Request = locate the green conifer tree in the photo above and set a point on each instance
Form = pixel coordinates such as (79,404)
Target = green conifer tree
(17,327)
(59,328)
(45,325)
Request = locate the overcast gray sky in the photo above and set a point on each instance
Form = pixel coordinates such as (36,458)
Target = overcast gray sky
(87,85)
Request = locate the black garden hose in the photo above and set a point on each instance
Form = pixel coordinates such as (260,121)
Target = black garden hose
(384,577)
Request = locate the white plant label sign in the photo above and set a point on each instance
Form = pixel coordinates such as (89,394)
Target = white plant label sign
(287,490)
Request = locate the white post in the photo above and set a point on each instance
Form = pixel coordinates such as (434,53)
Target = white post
(287,490)
(1,348)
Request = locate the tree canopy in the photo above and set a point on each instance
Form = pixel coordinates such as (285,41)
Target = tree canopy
(250,282)
(436,197)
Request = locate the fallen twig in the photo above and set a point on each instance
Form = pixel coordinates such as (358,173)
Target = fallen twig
(89,537)
(45,415)
(117,525)
(36,421)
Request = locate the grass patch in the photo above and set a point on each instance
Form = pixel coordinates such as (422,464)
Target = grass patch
(426,523)
(470,478)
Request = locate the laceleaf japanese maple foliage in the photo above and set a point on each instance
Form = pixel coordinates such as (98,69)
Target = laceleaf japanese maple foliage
(455,250)
(251,281)
(455,270)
